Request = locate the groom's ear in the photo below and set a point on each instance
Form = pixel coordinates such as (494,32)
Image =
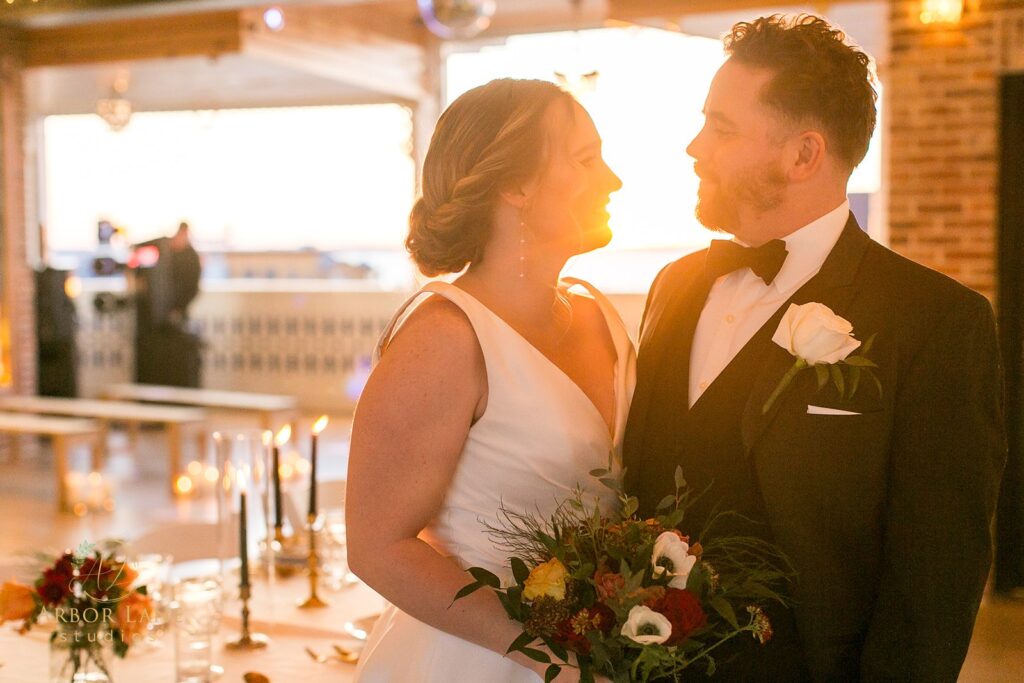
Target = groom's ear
(807,155)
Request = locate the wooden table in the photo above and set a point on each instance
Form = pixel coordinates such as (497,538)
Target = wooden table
(65,432)
(179,422)
(272,410)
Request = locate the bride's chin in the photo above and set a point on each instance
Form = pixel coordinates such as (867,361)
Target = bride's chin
(594,239)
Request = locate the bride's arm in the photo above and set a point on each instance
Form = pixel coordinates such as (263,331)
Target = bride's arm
(410,426)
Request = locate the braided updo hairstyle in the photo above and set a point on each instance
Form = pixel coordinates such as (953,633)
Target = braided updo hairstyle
(489,139)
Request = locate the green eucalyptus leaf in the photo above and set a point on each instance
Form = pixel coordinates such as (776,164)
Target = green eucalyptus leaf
(485,577)
(551,673)
(466,590)
(679,480)
(666,503)
(722,606)
(630,508)
(519,570)
(598,473)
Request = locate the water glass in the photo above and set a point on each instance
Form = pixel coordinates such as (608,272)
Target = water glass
(332,550)
(197,614)
(154,572)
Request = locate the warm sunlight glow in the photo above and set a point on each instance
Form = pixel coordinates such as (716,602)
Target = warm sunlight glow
(326,177)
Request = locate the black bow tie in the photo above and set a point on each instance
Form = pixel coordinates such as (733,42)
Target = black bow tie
(725,256)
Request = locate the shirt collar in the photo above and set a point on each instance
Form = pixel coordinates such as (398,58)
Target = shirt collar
(809,246)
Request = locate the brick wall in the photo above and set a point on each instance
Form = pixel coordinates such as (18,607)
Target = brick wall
(17,279)
(941,86)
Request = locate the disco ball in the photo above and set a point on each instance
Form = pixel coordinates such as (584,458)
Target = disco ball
(450,19)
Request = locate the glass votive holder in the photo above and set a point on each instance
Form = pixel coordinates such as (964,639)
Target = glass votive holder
(197,612)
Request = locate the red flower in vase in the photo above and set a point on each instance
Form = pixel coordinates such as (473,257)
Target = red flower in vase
(55,585)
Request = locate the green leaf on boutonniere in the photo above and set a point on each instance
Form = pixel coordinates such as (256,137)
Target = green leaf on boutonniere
(679,480)
(866,346)
(837,379)
(854,379)
(860,361)
(822,371)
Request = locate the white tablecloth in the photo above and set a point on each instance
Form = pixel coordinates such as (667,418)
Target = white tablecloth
(26,658)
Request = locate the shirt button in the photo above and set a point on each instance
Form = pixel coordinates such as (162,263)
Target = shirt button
(730,318)
(703,386)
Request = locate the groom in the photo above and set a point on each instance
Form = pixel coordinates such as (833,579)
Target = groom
(881,500)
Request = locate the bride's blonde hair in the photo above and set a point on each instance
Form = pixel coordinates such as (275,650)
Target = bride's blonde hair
(490,138)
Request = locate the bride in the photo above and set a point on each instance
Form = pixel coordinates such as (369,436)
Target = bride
(504,388)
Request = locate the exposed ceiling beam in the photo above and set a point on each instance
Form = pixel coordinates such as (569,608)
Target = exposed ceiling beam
(186,35)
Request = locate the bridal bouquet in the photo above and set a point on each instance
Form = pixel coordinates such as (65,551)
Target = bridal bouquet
(627,598)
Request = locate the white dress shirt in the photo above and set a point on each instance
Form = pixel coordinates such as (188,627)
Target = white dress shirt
(740,303)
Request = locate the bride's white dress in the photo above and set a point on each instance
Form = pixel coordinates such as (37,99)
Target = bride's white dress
(539,437)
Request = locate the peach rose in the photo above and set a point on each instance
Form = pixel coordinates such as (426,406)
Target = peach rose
(133,614)
(16,601)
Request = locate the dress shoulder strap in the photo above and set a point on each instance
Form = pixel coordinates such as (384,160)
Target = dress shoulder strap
(441,288)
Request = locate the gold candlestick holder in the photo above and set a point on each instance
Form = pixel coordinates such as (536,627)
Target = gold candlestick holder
(247,641)
(313,569)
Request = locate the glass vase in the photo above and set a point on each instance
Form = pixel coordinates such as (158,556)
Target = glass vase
(81,653)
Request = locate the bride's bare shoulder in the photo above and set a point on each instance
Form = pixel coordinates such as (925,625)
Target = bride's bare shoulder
(437,327)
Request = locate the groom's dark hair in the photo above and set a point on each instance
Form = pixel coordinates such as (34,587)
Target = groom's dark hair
(817,77)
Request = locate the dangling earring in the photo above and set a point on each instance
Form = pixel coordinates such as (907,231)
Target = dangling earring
(522,249)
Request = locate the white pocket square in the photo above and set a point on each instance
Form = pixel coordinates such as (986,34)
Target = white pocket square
(818,410)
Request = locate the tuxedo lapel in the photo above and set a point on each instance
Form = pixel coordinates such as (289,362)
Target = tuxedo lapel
(834,286)
(668,329)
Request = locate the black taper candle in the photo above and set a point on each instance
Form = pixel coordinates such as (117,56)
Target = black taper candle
(243,541)
(312,477)
(278,516)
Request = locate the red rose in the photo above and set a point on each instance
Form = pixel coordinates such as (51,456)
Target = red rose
(683,610)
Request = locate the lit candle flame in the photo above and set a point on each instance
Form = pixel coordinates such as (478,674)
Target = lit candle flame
(283,435)
(195,468)
(183,484)
(319,425)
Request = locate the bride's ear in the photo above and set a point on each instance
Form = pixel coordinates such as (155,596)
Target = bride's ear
(514,196)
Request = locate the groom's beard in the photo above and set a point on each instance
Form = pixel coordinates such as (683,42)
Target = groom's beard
(761,188)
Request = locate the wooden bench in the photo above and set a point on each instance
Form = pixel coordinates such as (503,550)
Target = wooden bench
(272,410)
(179,422)
(65,432)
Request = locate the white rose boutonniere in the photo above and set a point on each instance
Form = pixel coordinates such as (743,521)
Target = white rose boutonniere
(819,338)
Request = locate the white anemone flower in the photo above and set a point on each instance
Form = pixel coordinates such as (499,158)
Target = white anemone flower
(672,556)
(647,627)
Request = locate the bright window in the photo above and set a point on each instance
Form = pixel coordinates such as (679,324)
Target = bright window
(324,177)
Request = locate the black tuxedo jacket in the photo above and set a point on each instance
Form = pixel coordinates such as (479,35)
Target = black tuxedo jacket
(885,514)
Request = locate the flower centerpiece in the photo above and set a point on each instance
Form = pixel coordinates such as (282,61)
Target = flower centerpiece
(627,598)
(90,598)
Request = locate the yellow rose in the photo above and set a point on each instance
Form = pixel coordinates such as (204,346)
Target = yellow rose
(546,579)
(16,601)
